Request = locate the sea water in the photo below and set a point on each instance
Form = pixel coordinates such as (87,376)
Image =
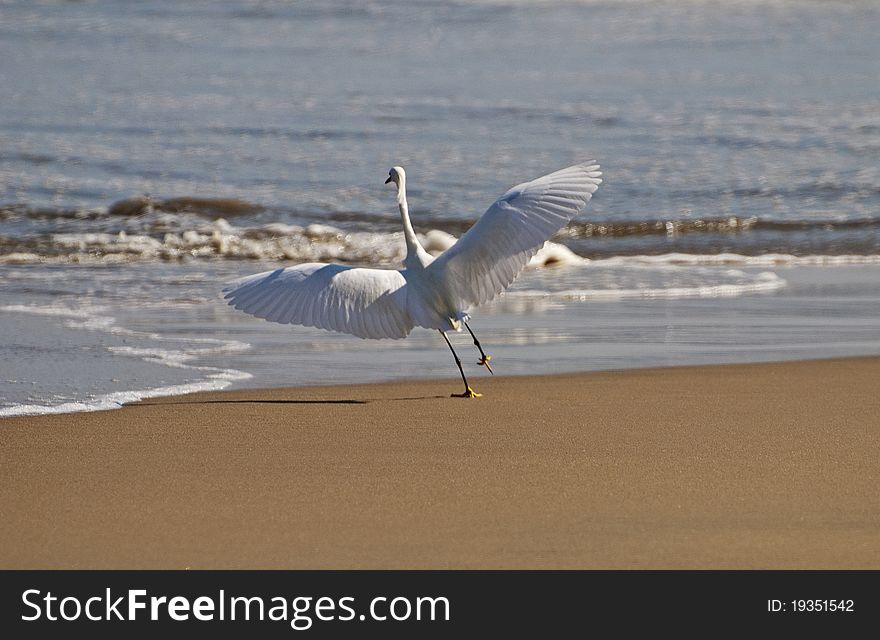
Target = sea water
(152,151)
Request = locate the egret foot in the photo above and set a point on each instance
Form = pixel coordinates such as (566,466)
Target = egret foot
(485,362)
(470,393)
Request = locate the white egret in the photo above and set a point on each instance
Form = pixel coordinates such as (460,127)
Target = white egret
(434,293)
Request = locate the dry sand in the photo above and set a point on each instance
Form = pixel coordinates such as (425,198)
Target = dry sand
(746,466)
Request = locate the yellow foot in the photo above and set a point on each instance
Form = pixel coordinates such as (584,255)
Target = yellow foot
(485,362)
(470,393)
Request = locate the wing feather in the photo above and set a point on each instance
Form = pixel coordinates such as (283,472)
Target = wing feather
(489,257)
(369,303)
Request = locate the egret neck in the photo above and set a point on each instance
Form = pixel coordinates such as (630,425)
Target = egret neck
(416,256)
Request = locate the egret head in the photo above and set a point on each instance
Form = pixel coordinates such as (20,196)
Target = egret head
(397,175)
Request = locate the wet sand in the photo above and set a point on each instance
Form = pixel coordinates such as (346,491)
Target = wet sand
(742,466)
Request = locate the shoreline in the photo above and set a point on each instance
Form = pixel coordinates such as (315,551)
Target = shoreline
(106,354)
(769,465)
(477,378)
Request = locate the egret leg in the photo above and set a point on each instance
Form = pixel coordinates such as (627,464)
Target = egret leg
(468,392)
(484,359)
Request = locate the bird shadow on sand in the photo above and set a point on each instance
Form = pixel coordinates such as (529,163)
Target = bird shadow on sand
(165,404)
(258,401)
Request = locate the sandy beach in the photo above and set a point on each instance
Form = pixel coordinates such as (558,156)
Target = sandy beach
(743,466)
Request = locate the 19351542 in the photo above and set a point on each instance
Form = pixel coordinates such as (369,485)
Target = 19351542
(811,606)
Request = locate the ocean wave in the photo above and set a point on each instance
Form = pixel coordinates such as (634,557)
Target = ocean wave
(117,399)
(220,239)
(326,243)
(183,229)
(764,282)
(735,259)
(710,225)
(93,319)
(214,208)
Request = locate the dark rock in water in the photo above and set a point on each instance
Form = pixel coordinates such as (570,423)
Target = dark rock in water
(199,206)
(132,206)
(204,206)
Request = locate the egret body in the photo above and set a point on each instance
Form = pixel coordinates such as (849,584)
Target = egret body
(434,293)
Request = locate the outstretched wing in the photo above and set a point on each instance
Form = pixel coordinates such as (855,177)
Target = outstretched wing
(492,253)
(369,303)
